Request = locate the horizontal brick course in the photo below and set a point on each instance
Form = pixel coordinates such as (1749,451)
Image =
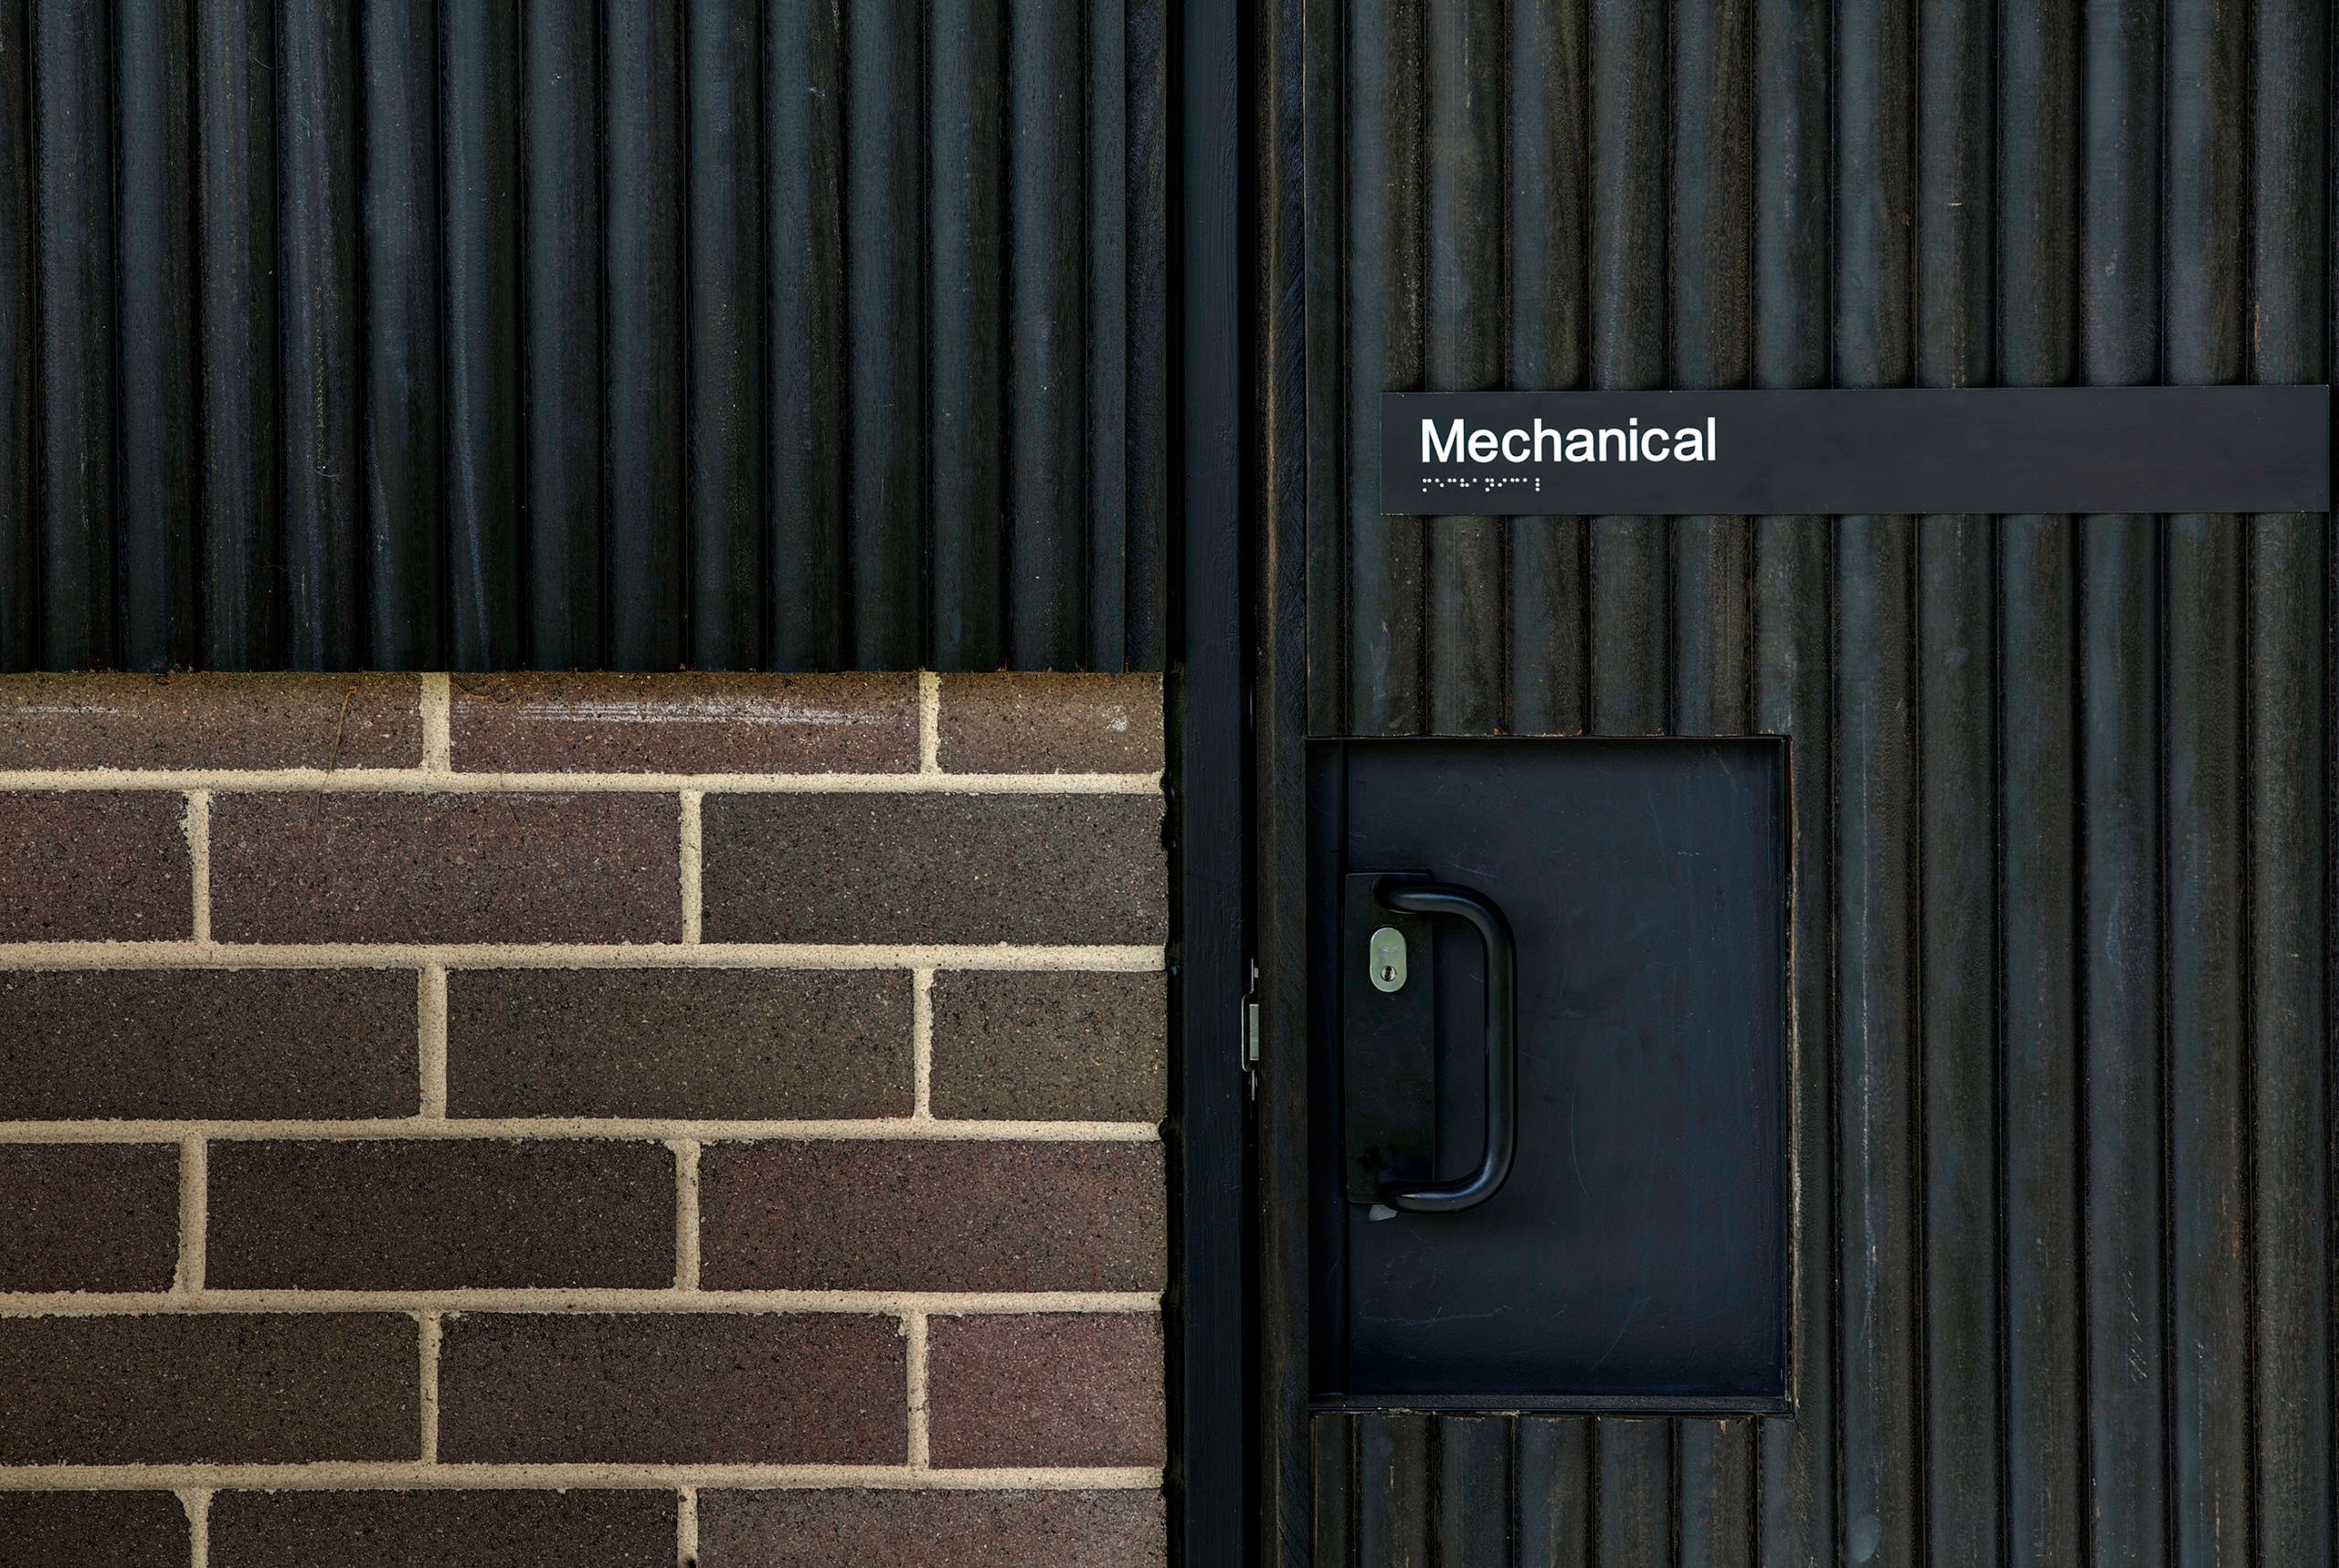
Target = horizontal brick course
(411,1215)
(904,1215)
(195,1043)
(210,721)
(94,865)
(823,1528)
(778,1388)
(443,1529)
(92,1530)
(1051,723)
(1018,1047)
(90,1216)
(1046,1389)
(761,1044)
(685,723)
(446,868)
(933,868)
(222,1388)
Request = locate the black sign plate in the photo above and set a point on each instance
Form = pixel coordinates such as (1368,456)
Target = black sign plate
(2046,449)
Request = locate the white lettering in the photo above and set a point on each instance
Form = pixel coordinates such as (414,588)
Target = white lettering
(1483,446)
(1524,446)
(1651,447)
(1447,451)
(1543,432)
(1579,446)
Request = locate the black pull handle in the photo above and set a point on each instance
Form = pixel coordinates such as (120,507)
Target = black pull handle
(1502,1053)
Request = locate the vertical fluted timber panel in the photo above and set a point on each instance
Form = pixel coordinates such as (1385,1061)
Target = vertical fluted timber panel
(19,552)
(723,485)
(561,304)
(322,343)
(399,70)
(966,160)
(72,117)
(481,109)
(2288,913)
(155,423)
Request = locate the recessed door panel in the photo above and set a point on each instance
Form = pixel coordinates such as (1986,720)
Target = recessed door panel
(1633,1250)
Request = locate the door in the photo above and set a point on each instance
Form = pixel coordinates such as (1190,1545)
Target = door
(1553,982)
(2058,1279)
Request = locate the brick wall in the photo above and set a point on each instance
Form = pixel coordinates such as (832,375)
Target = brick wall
(581,1120)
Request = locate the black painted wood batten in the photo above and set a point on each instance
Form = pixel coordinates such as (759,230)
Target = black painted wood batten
(641,334)
(2062,1286)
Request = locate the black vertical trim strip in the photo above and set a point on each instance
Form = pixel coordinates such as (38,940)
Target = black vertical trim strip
(156,422)
(966,163)
(1214,1497)
(317,244)
(804,247)
(480,142)
(885,474)
(73,149)
(723,73)
(561,283)
(645,183)
(403,381)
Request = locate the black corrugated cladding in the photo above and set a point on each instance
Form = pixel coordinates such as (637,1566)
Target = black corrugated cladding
(2063,799)
(541,332)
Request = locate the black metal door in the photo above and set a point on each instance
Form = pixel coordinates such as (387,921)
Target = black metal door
(2061,832)
(1551,1170)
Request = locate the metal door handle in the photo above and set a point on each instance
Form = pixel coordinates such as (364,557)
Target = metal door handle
(1502,1076)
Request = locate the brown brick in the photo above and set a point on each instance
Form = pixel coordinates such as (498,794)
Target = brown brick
(89,1216)
(684,1388)
(685,723)
(446,868)
(423,1213)
(207,1043)
(92,1530)
(443,1529)
(1051,723)
(1058,1388)
(820,1528)
(210,721)
(92,865)
(900,1215)
(762,1044)
(208,1387)
(1081,1047)
(933,868)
